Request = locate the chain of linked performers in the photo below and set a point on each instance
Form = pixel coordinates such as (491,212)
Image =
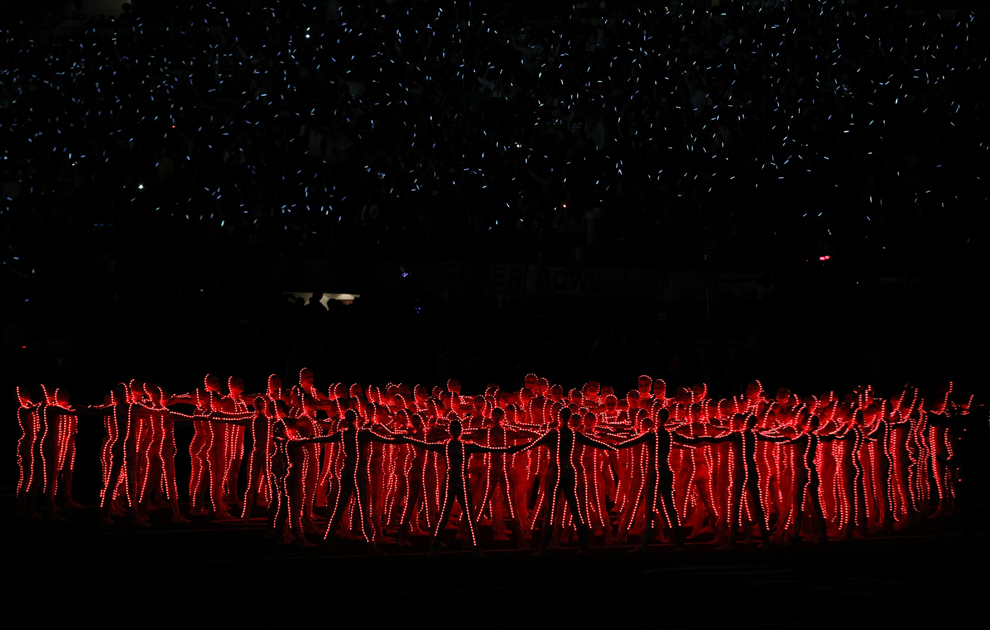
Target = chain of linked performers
(388,463)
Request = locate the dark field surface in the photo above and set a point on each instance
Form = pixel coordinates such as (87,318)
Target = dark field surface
(79,574)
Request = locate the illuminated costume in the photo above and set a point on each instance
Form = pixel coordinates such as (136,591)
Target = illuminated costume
(562,476)
(355,474)
(30,477)
(497,479)
(744,477)
(259,479)
(656,442)
(455,487)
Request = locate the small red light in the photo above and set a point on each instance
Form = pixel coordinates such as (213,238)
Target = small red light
(824,257)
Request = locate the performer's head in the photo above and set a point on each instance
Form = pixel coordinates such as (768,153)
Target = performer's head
(530,381)
(590,420)
(542,385)
(212,383)
(120,394)
(262,406)
(644,384)
(783,395)
(306,378)
(698,392)
(574,395)
(632,399)
(350,419)
(592,390)
(454,428)
(753,390)
(525,395)
(659,389)
(662,417)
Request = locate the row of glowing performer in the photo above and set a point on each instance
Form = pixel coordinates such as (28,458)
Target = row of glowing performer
(391,462)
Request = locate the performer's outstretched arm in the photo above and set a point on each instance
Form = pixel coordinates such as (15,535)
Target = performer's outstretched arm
(593,443)
(326,439)
(436,447)
(639,439)
(545,439)
(471,447)
(697,441)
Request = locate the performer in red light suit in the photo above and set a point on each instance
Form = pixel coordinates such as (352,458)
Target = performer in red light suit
(644,384)
(849,476)
(162,449)
(701,483)
(657,442)
(31,475)
(259,459)
(878,466)
(562,476)
(208,448)
(455,483)
(497,478)
(899,423)
(57,448)
(236,402)
(121,458)
(355,473)
(938,449)
(305,469)
(206,451)
(283,433)
(415,486)
(805,499)
(744,475)
(633,469)
(302,460)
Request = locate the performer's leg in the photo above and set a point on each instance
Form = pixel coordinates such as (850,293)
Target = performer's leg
(345,489)
(570,496)
(650,524)
(443,515)
(464,498)
(670,512)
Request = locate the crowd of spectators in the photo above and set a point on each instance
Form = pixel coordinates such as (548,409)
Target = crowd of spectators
(157,165)
(627,133)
